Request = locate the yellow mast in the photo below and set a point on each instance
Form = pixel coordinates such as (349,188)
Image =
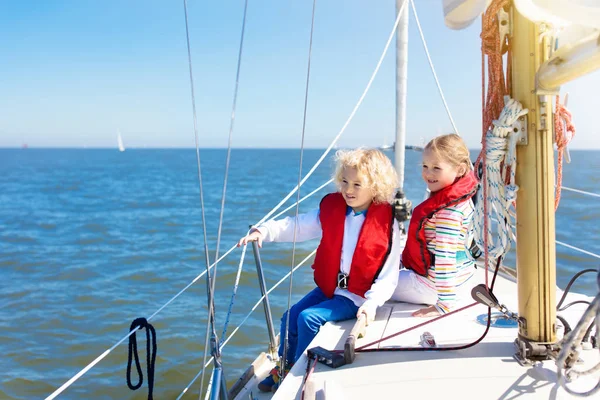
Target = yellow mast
(536,252)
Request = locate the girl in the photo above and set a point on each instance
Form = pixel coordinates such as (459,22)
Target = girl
(356,264)
(436,266)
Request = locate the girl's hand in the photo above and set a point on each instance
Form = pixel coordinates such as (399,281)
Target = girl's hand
(430,311)
(254,235)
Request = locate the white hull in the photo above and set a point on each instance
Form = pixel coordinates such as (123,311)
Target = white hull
(484,371)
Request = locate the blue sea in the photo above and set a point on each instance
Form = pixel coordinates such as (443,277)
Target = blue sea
(91,239)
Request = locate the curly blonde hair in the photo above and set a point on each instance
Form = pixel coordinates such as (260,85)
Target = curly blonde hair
(452,149)
(374,168)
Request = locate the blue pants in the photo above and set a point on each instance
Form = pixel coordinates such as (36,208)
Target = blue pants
(306,318)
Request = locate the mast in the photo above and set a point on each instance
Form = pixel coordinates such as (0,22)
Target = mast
(536,249)
(402,206)
(401,89)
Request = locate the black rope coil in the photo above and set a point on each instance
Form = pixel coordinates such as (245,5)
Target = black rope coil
(140,323)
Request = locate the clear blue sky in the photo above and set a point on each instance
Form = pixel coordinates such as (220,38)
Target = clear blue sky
(73,72)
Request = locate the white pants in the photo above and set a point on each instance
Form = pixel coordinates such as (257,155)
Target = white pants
(412,290)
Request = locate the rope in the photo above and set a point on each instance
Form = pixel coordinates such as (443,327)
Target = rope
(564,131)
(580,191)
(141,323)
(565,358)
(498,183)
(210,322)
(78,375)
(350,117)
(235,289)
(494,47)
(309,370)
(437,82)
(290,286)
(209,287)
(364,349)
(578,249)
(571,282)
(304,198)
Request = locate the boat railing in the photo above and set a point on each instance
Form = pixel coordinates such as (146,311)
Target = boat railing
(258,303)
(265,298)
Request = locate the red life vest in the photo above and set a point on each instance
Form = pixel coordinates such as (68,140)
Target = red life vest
(372,247)
(415,255)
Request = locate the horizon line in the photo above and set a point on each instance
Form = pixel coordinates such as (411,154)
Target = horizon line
(210,148)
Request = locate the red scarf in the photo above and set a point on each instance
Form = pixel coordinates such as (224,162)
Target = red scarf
(415,255)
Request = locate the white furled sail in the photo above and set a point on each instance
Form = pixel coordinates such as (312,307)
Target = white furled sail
(458,14)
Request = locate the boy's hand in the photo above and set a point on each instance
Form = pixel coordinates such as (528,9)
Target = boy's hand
(369,309)
(430,311)
(254,235)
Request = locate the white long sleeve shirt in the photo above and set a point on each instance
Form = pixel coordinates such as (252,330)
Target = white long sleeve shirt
(309,227)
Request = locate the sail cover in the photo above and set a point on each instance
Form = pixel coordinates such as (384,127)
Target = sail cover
(459,14)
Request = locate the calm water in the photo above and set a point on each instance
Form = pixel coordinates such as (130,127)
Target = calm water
(92,239)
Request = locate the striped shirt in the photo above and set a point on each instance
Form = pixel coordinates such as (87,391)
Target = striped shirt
(446,233)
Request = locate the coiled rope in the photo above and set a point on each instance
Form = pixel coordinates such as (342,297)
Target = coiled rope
(564,130)
(140,323)
(499,179)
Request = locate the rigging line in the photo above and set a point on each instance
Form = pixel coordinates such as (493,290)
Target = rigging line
(107,352)
(259,302)
(577,249)
(211,321)
(290,286)
(194,114)
(235,289)
(580,191)
(228,159)
(432,67)
(237,278)
(356,107)
(304,198)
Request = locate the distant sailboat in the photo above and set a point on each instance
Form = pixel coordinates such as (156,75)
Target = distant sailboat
(120,141)
(387,146)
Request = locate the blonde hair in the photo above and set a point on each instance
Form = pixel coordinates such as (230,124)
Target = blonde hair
(452,149)
(374,168)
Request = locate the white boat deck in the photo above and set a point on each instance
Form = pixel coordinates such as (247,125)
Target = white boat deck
(484,371)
